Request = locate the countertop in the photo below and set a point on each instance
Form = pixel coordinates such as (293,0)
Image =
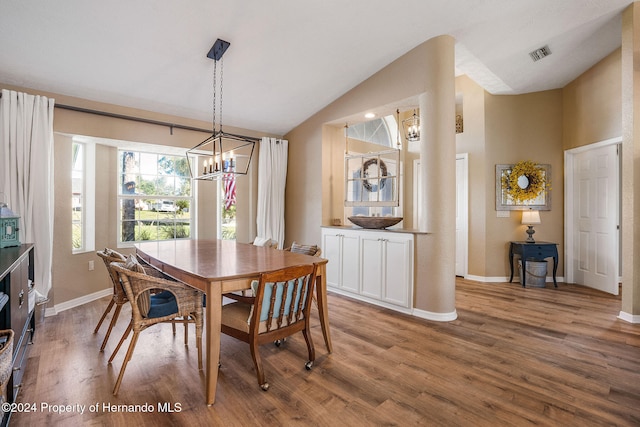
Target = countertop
(388,230)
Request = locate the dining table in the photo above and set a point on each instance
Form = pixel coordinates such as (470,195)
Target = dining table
(216,267)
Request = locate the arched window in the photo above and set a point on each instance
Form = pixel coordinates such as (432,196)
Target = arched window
(382,131)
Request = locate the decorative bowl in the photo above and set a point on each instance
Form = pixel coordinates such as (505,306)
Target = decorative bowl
(376,222)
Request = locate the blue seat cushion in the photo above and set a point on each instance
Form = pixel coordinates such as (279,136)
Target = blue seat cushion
(164,295)
(161,307)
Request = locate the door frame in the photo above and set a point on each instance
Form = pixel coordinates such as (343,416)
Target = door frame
(464,212)
(569,208)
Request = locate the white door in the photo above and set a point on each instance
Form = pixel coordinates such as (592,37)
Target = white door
(461,214)
(462,209)
(595,218)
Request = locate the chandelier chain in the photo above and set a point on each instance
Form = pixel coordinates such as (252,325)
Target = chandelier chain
(215,72)
(221,77)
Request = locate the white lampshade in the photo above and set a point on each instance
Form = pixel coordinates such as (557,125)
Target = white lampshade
(531,217)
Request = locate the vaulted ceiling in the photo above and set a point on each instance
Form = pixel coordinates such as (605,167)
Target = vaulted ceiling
(288,58)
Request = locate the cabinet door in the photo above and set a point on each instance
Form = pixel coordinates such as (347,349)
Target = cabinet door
(371,265)
(398,264)
(331,245)
(350,256)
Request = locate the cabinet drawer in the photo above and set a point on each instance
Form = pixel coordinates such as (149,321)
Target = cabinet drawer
(21,354)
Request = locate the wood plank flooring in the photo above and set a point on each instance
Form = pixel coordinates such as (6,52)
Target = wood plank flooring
(514,357)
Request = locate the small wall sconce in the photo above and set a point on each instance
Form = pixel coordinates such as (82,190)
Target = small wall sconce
(530,218)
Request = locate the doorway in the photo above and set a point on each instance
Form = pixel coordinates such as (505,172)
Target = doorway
(462,209)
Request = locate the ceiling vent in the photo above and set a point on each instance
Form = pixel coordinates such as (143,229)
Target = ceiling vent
(538,54)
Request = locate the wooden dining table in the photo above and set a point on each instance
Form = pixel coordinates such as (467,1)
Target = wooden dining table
(217,267)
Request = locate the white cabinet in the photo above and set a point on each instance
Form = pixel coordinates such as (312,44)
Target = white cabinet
(340,248)
(373,266)
(387,267)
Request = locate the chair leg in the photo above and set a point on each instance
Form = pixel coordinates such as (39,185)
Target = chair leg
(108,309)
(185,322)
(124,337)
(173,326)
(114,319)
(312,352)
(257,361)
(198,321)
(132,345)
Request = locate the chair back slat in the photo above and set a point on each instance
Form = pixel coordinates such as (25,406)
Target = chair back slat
(286,297)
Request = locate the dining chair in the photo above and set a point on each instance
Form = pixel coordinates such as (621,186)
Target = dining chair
(119,298)
(280,308)
(175,300)
(265,242)
(152,271)
(313,250)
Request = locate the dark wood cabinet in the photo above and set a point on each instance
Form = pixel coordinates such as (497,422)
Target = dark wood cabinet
(16,281)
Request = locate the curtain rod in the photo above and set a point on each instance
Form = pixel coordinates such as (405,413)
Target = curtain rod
(171,126)
(132,118)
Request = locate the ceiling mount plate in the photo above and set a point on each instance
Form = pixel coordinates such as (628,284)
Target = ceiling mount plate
(218,49)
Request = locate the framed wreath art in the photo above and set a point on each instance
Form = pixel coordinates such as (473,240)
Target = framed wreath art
(371,179)
(524,185)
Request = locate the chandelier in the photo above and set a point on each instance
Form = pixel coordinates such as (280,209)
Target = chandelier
(222,154)
(412,127)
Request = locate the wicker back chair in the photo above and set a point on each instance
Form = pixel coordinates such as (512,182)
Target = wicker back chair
(119,297)
(6,358)
(313,250)
(183,302)
(280,308)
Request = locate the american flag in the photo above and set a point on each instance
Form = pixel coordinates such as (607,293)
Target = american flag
(229,190)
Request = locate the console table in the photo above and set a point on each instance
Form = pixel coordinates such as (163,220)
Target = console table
(537,251)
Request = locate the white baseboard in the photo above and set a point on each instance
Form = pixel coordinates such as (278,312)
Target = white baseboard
(505,279)
(52,311)
(627,317)
(438,317)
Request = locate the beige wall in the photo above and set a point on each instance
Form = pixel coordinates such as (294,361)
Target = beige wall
(592,104)
(473,142)
(523,127)
(71,276)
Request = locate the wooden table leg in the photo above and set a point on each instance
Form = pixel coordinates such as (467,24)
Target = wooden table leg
(213,319)
(321,297)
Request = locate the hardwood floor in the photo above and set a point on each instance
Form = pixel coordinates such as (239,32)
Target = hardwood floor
(535,356)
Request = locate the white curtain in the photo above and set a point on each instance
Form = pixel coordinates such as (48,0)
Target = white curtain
(26,177)
(272,179)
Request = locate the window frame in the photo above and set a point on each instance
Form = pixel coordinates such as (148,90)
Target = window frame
(159,198)
(87,195)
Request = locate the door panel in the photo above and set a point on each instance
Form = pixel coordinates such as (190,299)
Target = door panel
(595,220)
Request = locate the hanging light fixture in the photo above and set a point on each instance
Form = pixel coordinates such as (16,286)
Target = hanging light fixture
(398,146)
(412,127)
(223,154)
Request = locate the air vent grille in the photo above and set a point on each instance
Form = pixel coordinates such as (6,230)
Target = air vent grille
(538,54)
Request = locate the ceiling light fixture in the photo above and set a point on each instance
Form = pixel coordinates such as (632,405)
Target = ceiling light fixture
(412,127)
(223,154)
(369,115)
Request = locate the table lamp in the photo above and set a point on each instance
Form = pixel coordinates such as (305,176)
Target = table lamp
(529,218)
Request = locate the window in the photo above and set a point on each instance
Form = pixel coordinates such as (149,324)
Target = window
(227,206)
(381,131)
(82,197)
(372,183)
(154,197)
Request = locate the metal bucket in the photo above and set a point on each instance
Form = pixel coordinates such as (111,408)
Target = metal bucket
(536,274)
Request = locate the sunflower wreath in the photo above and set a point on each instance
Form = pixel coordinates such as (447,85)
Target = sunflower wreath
(536,182)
